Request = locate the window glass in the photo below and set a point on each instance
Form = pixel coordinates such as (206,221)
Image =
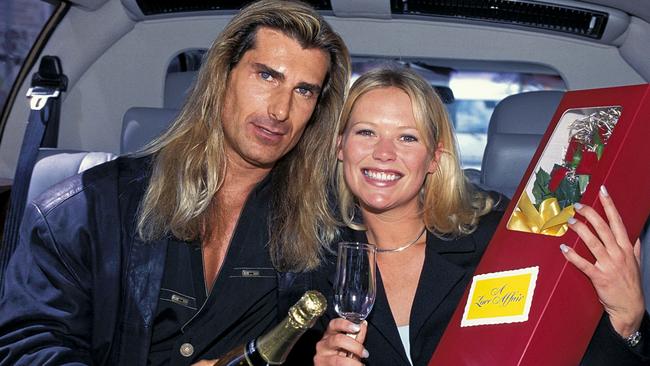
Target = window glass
(20,23)
(476,93)
(189,60)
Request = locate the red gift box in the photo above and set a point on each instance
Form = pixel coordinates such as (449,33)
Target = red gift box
(560,307)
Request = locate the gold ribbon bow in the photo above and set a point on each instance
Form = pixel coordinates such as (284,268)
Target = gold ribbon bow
(549,220)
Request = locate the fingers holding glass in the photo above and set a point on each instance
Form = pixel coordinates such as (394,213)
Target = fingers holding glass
(338,348)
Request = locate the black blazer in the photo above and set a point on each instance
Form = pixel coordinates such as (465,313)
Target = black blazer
(448,268)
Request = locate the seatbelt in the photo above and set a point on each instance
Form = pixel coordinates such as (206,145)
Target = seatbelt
(42,130)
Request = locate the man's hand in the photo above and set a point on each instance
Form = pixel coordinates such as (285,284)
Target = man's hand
(342,344)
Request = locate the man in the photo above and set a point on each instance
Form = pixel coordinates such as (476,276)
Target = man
(170,256)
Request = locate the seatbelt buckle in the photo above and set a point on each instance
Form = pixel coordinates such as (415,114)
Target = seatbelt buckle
(47,83)
(39,95)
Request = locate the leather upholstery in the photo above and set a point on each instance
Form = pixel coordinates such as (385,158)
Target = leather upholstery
(54,165)
(516,127)
(177,86)
(142,124)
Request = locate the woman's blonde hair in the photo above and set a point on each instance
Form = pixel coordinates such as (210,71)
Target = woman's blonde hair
(451,205)
(189,163)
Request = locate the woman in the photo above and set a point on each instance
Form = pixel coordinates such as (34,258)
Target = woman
(401,188)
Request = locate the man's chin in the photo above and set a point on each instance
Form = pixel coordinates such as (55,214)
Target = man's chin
(267,158)
(262,161)
(254,158)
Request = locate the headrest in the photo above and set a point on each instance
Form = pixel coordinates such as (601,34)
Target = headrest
(141,125)
(177,86)
(516,127)
(55,165)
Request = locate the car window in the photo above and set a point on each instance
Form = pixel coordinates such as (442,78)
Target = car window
(189,60)
(476,93)
(20,23)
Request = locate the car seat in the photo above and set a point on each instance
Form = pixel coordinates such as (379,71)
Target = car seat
(177,86)
(141,125)
(54,165)
(516,128)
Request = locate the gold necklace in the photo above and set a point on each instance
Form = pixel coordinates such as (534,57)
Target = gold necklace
(403,247)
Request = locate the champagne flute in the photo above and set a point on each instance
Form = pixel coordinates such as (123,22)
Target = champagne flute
(355,288)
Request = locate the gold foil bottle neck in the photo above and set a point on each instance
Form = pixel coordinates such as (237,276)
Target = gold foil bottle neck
(305,312)
(274,346)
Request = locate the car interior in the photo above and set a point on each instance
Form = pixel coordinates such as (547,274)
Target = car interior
(130,63)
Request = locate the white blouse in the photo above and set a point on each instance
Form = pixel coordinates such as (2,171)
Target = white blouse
(404,336)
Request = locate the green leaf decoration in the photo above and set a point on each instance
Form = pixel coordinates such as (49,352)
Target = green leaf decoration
(540,186)
(599,151)
(598,142)
(583,181)
(577,156)
(568,192)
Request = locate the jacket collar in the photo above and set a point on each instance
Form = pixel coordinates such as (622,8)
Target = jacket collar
(145,268)
(144,260)
(438,278)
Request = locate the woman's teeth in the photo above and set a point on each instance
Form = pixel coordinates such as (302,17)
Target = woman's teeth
(387,177)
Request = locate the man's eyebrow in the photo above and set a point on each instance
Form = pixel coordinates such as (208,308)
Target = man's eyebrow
(264,68)
(260,67)
(316,89)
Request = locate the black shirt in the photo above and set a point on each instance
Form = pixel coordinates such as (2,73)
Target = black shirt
(190,326)
(181,294)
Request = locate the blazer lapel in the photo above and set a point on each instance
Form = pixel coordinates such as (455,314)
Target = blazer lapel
(439,276)
(144,275)
(384,323)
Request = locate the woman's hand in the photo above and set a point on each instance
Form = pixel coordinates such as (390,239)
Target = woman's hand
(616,274)
(342,344)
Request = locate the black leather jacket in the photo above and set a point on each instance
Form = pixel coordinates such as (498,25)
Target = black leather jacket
(82,289)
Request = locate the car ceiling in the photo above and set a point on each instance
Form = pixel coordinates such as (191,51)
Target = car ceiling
(638,8)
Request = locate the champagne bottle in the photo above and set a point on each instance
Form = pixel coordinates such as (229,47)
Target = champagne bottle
(273,347)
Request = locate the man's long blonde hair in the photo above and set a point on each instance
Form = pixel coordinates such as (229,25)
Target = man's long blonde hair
(450,204)
(189,163)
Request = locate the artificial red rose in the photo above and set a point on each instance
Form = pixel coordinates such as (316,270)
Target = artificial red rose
(574,145)
(587,163)
(557,174)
